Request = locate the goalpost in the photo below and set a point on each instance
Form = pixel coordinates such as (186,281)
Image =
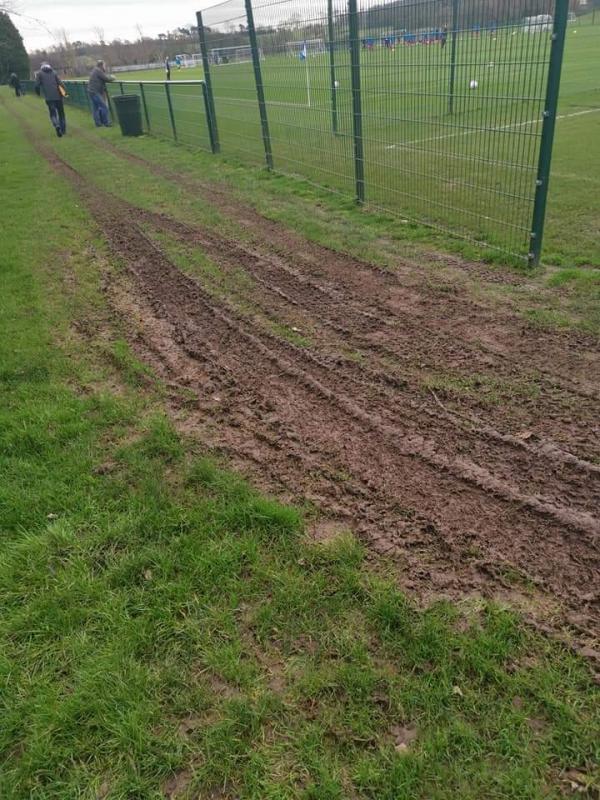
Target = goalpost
(311,47)
(232,55)
(195,60)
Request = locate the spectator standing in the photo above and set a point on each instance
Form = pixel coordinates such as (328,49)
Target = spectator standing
(97,92)
(168,68)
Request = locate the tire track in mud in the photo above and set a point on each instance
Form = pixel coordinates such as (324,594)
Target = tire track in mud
(339,314)
(409,485)
(507,337)
(381,417)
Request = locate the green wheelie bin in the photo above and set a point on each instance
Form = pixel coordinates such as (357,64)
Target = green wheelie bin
(129,114)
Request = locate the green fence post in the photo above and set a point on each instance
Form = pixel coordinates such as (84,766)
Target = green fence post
(121,85)
(561,16)
(454,34)
(208,82)
(170,104)
(359,161)
(330,34)
(143,95)
(212,134)
(260,93)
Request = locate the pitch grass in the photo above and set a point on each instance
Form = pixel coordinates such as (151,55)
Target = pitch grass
(166,631)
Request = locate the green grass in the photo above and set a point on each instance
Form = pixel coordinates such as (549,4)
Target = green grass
(420,163)
(163,624)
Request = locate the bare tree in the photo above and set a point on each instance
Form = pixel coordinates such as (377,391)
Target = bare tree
(98,31)
(65,49)
(143,48)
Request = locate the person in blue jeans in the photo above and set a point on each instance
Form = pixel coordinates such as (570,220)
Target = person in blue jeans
(97,92)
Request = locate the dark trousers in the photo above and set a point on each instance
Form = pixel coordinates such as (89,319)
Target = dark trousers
(56,109)
(18,91)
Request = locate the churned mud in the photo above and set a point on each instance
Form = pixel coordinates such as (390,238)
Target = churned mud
(451,436)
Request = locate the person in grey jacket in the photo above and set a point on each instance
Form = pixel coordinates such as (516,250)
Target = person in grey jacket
(97,91)
(50,85)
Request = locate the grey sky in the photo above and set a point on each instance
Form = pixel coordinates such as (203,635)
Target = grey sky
(118,18)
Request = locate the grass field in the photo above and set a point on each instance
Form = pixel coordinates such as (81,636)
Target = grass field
(472,173)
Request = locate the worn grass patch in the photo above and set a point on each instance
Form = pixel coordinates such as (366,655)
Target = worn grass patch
(485,389)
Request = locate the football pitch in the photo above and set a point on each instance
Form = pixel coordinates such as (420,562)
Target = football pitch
(470,172)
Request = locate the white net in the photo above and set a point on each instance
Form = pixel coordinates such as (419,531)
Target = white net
(232,55)
(195,60)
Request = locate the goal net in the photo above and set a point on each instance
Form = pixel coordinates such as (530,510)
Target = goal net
(305,48)
(232,55)
(539,24)
(195,60)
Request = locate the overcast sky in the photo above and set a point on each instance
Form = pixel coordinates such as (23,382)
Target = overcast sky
(118,18)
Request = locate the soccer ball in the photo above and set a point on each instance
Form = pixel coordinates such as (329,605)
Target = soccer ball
(473,85)
(336,84)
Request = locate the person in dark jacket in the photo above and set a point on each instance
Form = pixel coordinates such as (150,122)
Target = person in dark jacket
(168,68)
(15,83)
(50,85)
(98,95)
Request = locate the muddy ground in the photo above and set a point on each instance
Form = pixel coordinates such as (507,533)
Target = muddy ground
(451,436)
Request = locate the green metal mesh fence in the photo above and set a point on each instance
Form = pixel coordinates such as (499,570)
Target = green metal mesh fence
(172,110)
(27,86)
(449,97)
(439,111)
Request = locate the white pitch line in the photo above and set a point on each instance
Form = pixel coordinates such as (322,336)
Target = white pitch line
(491,130)
(269,102)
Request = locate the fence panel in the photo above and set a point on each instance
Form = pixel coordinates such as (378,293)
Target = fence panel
(309,91)
(187,101)
(229,53)
(453,100)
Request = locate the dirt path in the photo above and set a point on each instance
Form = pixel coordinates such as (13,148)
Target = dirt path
(500,499)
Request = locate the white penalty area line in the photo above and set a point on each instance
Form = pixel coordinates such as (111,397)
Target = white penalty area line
(268,102)
(489,130)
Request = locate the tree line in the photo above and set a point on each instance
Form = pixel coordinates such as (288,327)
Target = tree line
(13,56)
